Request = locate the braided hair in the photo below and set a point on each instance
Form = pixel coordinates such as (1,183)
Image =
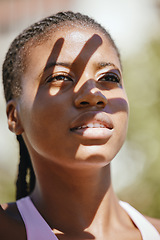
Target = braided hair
(14,67)
(26,177)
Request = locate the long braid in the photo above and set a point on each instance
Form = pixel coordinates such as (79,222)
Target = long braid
(26,178)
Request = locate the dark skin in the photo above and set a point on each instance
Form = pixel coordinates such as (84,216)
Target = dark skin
(78,102)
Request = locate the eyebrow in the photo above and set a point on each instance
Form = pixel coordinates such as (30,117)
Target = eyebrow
(100,65)
(53,64)
(67,64)
(105,64)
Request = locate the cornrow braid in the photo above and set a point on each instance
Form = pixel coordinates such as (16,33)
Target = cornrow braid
(26,177)
(14,67)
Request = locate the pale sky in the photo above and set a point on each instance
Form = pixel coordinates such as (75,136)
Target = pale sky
(130,22)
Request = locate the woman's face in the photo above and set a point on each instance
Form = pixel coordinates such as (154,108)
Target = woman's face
(73,108)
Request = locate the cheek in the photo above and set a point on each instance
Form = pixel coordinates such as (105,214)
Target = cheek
(47,116)
(121,124)
(44,130)
(47,121)
(120,113)
(119,105)
(118,102)
(122,110)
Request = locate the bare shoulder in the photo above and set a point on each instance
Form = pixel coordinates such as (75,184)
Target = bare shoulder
(155,222)
(11,226)
(10,209)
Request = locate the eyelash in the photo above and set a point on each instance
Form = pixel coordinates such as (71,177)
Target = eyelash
(110,77)
(60,77)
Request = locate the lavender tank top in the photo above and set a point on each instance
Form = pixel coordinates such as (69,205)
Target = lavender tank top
(37,227)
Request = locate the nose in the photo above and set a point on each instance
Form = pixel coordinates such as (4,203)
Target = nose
(90,96)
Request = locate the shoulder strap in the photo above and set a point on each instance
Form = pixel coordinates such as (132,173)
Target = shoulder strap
(148,231)
(36,226)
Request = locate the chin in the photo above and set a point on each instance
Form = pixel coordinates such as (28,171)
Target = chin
(93,156)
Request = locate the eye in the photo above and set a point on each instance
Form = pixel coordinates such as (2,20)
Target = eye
(58,78)
(110,77)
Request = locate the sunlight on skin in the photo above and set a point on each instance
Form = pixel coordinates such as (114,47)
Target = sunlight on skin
(90,46)
(82,72)
(54,91)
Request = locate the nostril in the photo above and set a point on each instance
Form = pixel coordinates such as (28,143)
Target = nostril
(84,103)
(91,100)
(100,103)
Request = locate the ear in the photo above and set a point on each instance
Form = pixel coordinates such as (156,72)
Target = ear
(14,123)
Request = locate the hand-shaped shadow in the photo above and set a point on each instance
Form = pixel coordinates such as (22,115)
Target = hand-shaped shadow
(84,56)
(90,47)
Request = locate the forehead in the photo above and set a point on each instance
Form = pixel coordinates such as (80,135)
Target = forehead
(68,43)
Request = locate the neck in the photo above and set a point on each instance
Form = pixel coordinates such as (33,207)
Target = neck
(84,196)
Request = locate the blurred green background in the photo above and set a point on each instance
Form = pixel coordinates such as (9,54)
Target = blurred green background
(135,26)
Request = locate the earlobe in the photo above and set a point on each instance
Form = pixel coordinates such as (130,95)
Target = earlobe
(14,123)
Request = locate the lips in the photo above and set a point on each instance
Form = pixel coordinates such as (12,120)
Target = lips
(92,125)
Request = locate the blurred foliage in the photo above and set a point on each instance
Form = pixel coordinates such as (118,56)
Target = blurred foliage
(7,193)
(142,81)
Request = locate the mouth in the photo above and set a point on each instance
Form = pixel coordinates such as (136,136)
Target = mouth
(89,125)
(93,125)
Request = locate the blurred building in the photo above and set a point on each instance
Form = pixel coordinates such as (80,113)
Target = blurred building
(14,13)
